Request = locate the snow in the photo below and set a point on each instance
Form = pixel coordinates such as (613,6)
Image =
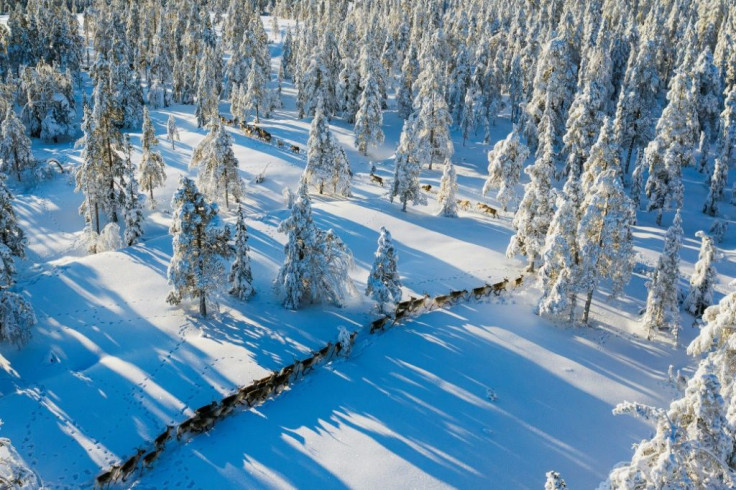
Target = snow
(111,363)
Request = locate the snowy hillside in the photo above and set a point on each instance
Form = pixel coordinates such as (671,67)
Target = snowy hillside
(465,392)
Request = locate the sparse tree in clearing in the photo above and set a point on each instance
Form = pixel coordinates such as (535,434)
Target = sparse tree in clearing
(15,147)
(172,131)
(152,170)
(241,277)
(218,168)
(554,481)
(132,214)
(717,184)
(504,168)
(700,295)
(405,185)
(663,310)
(369,118)
(605,238)
(201,245)
(448,189)
(317,262)
(384,285)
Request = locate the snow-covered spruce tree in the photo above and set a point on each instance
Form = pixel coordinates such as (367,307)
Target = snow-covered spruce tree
(348,89)
(218,168)
(691,447)
(663,310)
(708,88)
(16,314)
(448,189)
(536,210)
(48,110)
(369,118)
(700,295)
(384,285)
(560,263)
(637,181)
(326,162)
(208,86)
(200,245)
(241,277)
(254,96)
(602,156)
(504,168)
(587,110)
(407,164)
(89,178)
(409,74)
(151,171)
(637,99)
(433,119)
(673,146)
(15,147)
(172,131)
(554,481)
(317,262)
(717,184)
(604,237)
(727,142)
(132,214)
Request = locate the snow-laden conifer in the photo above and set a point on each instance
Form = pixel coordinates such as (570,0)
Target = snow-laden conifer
(663,310)
(132,213)
(152,170)
(327,167)
(200,247)
(16,157)
(407,165)
(218,176)
(717,184)
(384,285)
(504,168)
(172,131)
(703,280)
(448,189)
(369,118)
(241,277)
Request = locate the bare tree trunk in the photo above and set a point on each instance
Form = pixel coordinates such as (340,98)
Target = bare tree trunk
(586,311)
(202,304)
(97,218)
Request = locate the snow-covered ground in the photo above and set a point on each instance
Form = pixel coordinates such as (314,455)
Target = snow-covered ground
(111,363)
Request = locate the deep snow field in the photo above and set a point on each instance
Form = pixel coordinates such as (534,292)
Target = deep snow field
(482,395)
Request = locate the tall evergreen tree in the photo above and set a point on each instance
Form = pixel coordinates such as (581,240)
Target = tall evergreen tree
(663,310)
(152,170)
(132,214)
(200,246)
(172,131)
(433,119)
(16,156)
(504,168)
(407,165)
(703,279)
(448,190)
(241,277)
(218,168)
(384,285)
(369,118)
(327,164)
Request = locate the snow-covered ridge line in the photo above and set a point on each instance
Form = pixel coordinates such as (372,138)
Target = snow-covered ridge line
(259,391)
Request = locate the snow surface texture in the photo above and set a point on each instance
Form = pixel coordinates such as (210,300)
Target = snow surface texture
(481,393)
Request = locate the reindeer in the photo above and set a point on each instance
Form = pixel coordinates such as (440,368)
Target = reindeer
(441,301)
(229,402)
(481,291)
(427,187)
(258,395)
(325,352)
(104,479)
(455,295)
(189,425)
(377,325)
(223,120)
(519,281)
(500,286)
(295,149)
(279,143)
(418,303)
(308,364)
(129,466)
(149,458)
(399,314)
(160,441)
(211,409)
(487,209)
(463,204)
(378,180)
